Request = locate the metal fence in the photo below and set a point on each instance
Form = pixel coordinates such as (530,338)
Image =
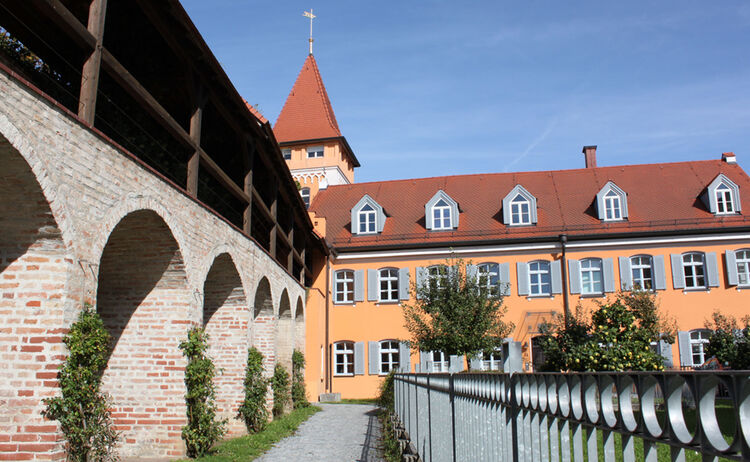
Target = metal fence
(575,416)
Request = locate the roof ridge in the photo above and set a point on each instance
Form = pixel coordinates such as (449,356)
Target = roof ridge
(324,95)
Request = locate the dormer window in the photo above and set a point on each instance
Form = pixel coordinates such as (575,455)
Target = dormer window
(367,216)
(722,197)
(441,212)
(519,207)
(612,203)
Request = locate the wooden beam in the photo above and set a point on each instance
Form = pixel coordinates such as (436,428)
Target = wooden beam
(248,154)
(196,120)
(58,13)
(274,216)
(222,177)
(292,251)
(90,73)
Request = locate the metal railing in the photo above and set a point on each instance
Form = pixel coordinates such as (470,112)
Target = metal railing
(565,416)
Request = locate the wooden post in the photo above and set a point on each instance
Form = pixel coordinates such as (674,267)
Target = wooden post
(248,155)
(304,266)
(196,120)
(92,65)
(275,216)
(290,259)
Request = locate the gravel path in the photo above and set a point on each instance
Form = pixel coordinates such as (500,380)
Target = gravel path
(338,433)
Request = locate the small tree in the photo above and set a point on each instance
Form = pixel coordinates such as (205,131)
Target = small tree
(253,409)
(299,394)
(202,429)
(280,387)
(617,337)
(455,313)
(83,410)
(728,342)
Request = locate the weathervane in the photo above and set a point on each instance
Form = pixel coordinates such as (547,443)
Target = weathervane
(309,14)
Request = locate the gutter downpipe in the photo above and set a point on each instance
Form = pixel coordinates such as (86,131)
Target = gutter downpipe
(564,264)
(327,359)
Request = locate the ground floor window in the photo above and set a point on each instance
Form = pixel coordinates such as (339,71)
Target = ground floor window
(698,343)
(344,358)
(440,362)
(492,361)
(388,356)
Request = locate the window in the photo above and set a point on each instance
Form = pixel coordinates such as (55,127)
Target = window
(314,152)
(489,276)
(388,356)
(287,153)
(437,273)
(441,215)
(591,276)
(305,193)
(612,208)
(743,267)
(440,362)
(492,361)
(640,266)
(344,286)
(698,342)
(344,358)
(693,266)
(367,222)
(520,211)
(388,285)
(540,282)
(724,203)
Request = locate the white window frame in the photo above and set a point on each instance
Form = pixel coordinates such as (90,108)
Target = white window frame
(494,362)
(536,289)
(389,356)
(491,272)
(442,363)
(519,216)
(315,152)
(388,285)
(441,215)
(343,286)
(343,355)
(286,154)
(612,206)
(587,267)
(724,200)
(638,269)
(305,195)
(742,257)
(439,273)
(690,262)
(698,341)
(368,218)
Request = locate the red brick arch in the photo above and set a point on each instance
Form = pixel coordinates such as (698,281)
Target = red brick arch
(264,324)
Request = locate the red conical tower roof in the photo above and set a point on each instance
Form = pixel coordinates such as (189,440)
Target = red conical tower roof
(307,113)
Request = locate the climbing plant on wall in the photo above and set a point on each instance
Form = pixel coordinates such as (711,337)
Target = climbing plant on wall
(299,394)
(280,387)
(253,408)
(203,429)
(83,410)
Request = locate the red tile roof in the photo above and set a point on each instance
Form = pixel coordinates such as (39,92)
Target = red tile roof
(307,113)
(661,197)
(255,112)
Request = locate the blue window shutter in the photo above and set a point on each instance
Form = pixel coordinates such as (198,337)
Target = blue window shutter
(626,276)
(476,363)
(373,294)
(471,272)
(428,216)
(574,275)
(522,270)
(456,364)
(359,286)
(359,358)
(425,361)
(404,357)
(555,269)
(503,273)
(678,274)
(660,275)
(608,268)
(421,278)
(403,284)
(454,216)
(712,268)
(373,355)
(686,352)
(665,350)
(732,276)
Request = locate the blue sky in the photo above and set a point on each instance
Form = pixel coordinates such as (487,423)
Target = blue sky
(429,88)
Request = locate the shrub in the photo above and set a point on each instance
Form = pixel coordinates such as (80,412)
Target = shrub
(728,342)
(253,409)
(280,387)
(299,394)
(83,410)
(385,399)
(202,429)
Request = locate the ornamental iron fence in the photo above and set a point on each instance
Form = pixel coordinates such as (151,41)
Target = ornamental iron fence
(564,417)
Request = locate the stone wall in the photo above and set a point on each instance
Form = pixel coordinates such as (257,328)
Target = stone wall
(83,221)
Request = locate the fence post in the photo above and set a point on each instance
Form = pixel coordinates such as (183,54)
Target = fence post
(453,414)
(515,412)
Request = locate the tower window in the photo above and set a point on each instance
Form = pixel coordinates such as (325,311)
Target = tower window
(305,193)
(315,152)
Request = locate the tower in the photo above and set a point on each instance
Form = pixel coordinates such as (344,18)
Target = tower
(316,152)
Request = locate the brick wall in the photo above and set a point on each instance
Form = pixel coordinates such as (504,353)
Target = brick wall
(82,220)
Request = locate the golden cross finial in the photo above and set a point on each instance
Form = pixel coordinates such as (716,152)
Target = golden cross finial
(309,14)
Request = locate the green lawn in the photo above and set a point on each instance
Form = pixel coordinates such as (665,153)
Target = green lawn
(246,448)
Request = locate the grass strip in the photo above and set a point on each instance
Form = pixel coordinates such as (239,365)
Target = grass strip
(246,448)
(372,401)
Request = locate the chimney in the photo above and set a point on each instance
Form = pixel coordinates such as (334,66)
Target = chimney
(590,153)
(729,157)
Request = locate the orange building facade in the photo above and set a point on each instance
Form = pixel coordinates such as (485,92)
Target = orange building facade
(550,240)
